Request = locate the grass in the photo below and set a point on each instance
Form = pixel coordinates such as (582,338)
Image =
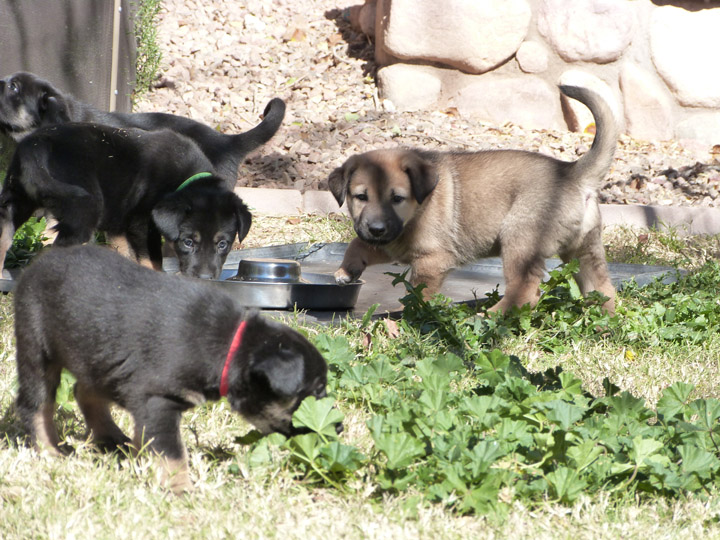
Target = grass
(312,228)
(148,56)
(236,495)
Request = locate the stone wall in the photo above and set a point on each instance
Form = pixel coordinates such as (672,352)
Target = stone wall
(657,62)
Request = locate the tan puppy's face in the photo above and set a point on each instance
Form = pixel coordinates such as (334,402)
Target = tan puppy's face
(383,191)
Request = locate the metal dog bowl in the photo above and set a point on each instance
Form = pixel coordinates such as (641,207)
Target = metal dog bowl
(280,284)
(268,270)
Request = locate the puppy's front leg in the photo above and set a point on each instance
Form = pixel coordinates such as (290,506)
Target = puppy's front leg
(157,424)
(430,269)
(96,410)
(358,256)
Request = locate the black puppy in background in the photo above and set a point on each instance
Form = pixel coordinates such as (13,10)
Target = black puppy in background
(154,344)
(92,177)
(201,221)
(28,102)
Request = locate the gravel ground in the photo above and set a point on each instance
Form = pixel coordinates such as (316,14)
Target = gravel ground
(223,61)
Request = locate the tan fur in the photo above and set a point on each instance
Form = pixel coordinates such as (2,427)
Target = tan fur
(46,437)
(523,206)
(120,244)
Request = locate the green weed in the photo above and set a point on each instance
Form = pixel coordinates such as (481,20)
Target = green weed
(463,424)
(28,241)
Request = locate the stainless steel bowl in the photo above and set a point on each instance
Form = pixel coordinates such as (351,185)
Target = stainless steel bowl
(268,270)
(278,284)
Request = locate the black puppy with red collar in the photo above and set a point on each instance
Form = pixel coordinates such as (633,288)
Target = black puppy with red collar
(154,344)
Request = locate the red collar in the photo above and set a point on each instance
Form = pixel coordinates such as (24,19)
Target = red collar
(231,354)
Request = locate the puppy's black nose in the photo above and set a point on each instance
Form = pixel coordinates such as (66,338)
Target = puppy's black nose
(376,229)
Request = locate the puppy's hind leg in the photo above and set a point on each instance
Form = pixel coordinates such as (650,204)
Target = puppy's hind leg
(593,274)
(96,410)
(38,380)
(78,214)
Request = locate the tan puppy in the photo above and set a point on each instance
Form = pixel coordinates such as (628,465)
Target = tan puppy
(437,210)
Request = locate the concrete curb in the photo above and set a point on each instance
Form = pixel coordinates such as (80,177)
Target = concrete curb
(685,219)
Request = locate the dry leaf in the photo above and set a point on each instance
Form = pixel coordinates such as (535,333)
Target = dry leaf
(393,330)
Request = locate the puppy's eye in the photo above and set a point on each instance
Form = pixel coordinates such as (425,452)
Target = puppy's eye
(222,245)
(397,199)
(188,243)
(361,196)
(14,87)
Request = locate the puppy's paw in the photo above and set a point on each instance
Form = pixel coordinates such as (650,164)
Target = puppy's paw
(343,277)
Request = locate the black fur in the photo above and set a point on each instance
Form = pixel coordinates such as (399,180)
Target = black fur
(152,343)
(92,177)
(28,102)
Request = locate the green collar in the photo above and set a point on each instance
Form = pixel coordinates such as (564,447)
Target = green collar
(194,177)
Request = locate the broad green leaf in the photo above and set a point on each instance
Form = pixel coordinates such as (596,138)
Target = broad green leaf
(433,400)
(337,457)
(336,350)
(696,460)
(566,484)
(490,367)
(514,430)
(708,412)
(305,447)
(562,413)
(674,399)
(319,415)
(584,454)
(260,456)
(401,449)
(626,404)
(643,449)
(483,455)
(570,383)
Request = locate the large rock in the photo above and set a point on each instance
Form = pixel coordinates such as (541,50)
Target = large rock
(577,116)
(684,46)
(702,126)
(532,57)
(587,30)
(410,87)
(527,101)
(473,36)
(648,107)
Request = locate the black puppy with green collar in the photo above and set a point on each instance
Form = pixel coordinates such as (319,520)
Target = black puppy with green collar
(91,177)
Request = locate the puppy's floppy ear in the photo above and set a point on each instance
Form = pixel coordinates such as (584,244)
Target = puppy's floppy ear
(243,218)
(283,371)
(168,214)
(422,173)
(340,178)
(52,109)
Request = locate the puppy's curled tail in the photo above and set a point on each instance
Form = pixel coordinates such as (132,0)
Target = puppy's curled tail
(264,131)
(595,163)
